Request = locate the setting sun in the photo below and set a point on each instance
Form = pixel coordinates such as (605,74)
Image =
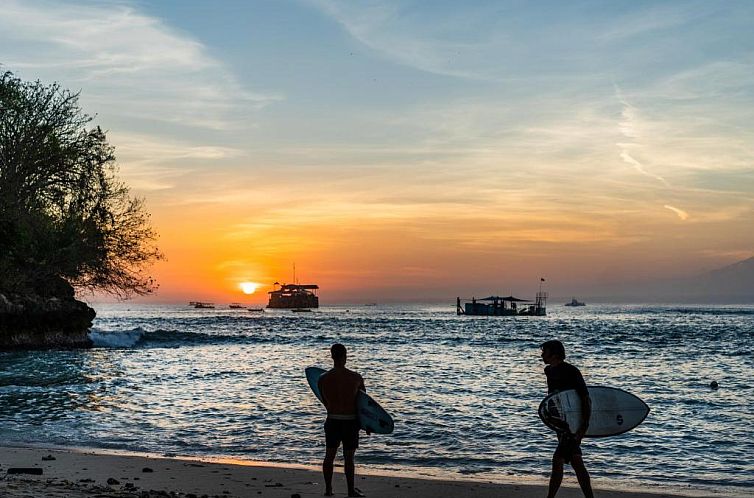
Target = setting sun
(248,287)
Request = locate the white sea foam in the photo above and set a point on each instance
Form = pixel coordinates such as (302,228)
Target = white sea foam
(116,338)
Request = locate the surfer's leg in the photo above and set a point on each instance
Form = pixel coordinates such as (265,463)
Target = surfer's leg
(327,468)
(582,475)
(349,467)
(556,477)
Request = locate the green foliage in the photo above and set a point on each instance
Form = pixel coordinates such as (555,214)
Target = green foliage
(63,212)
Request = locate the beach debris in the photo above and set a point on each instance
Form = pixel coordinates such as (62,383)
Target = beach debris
(25,470)
(48,458)
(147,469)
(112,481)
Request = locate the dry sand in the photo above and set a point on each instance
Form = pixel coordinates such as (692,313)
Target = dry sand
(78,473)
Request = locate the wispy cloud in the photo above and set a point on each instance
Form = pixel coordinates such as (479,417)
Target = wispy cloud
(158,163)
(131,65)
(629,127)
(394,31)
(680,212)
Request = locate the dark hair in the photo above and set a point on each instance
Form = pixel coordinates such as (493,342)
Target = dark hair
(338,351)
(554,347)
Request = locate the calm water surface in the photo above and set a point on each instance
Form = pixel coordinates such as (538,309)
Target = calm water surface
(464,391)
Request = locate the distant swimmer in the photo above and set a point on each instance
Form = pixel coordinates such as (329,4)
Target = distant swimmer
(714,385)
(339,387)
(562,376)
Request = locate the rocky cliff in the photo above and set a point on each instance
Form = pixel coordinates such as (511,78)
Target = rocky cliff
(33,321)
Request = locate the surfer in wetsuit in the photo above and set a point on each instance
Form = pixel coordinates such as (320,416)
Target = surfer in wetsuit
(562,376)
(339,387)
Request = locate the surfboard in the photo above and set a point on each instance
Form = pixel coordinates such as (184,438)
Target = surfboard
(614,411)
(372,416)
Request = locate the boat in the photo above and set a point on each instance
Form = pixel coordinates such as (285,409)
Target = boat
(236,306)
(504,305)
(256,310)
(202,305)
(294,296)
(575,302)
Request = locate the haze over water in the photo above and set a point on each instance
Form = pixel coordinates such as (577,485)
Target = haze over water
(463,390)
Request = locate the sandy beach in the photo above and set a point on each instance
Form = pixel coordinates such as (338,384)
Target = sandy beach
(79,473)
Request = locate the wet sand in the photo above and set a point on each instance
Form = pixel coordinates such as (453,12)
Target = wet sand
(78,473)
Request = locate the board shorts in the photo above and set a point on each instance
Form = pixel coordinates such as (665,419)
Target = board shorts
(345,431)
(567,446)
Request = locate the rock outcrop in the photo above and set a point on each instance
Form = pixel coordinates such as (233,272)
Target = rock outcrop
(33,321)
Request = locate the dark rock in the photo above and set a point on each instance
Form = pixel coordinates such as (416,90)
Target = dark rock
(295,495)
(147,469)
(112,482)
(42,321)
(48,458)
(25,470)
(86,480)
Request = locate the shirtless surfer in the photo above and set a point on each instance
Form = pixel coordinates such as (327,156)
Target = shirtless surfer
(339,387)
(562,376)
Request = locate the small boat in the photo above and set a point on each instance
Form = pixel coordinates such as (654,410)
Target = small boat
(256,310)
(236,306)
(202,305)
(575,302)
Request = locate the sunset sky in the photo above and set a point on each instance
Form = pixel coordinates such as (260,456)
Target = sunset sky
(415,150)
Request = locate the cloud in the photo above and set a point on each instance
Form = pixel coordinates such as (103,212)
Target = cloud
(130,65)
(680,212)
(398,34)
(157,163)
(629,128)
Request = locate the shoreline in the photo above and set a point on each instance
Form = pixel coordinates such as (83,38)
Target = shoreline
(85,472)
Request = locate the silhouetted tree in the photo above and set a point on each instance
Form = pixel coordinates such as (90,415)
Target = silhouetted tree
(64,215)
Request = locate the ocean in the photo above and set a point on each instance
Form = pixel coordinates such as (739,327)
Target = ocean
(464,391)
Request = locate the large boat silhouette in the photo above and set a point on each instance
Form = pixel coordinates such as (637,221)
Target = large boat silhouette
(294,296)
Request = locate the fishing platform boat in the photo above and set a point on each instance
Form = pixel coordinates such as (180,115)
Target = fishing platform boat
(294,296)
(202,305)
(504,306)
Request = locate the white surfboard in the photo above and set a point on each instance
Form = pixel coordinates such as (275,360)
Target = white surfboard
(372,417)
(614,411)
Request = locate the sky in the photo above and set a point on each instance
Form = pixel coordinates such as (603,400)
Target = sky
(415,151)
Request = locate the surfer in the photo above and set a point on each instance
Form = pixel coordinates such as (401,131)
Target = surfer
(339,387)
(562,376)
